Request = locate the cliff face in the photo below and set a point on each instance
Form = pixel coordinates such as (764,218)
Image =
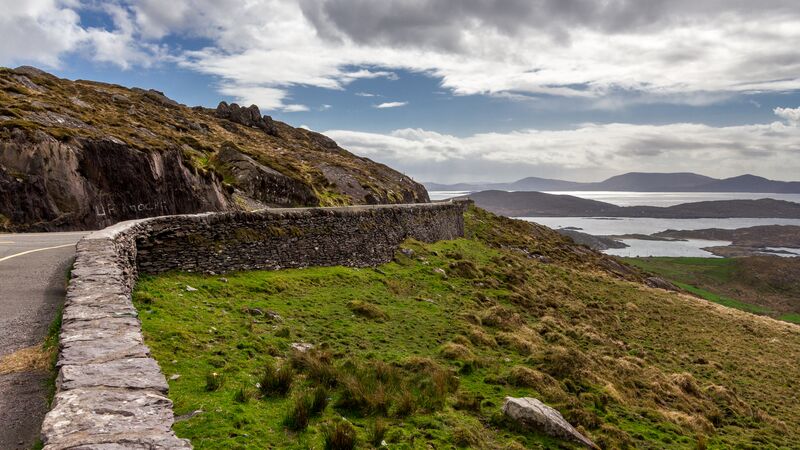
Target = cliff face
(83,155)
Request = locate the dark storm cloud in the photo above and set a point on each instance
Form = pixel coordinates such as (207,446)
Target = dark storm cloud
(440,23)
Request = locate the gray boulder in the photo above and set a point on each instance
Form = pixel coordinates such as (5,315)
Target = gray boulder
(531,413)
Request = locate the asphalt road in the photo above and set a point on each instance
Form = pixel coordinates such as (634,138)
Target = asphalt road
(33,276)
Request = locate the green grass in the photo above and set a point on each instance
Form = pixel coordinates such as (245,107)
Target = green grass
(684,269)
(722,300)
(793,317)
(432,357)
(214,330)
(699,276)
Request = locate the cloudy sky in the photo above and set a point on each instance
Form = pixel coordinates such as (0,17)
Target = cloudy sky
(462,90)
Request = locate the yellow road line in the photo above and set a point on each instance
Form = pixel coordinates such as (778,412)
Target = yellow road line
(34,251)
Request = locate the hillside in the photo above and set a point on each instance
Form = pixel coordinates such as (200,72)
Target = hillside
(636,182)
(421,352)
(82,155)
(761,284)
(538,204)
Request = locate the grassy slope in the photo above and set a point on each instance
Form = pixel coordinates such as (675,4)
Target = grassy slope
(629,365)
(761,285)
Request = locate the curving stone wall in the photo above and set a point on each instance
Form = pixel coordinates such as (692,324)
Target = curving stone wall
(110,393)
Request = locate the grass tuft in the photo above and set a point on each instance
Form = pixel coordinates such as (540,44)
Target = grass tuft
(276,381)
(339,435)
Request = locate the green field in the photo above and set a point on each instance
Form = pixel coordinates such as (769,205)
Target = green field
(759,285)
(421,352)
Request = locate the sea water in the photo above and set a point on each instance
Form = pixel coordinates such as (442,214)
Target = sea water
(600,226)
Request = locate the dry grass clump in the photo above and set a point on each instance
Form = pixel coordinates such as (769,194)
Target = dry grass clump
(464,269)
(481,338)
(27,359)
(377,431)
(564,362)
(541,382)
(339,435)
(364,392)
(367,310)
(306,405)
(276,381)
(501,317)
(317,364)
(468,401)
(458,352)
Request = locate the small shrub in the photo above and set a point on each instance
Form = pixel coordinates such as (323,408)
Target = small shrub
(377,432)
(283,332)
(276,381)
(297,419)
(213,381)
(367,310)
(339,435)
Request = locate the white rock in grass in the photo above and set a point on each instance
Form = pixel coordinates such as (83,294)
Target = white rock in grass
(301,347)
(531,413)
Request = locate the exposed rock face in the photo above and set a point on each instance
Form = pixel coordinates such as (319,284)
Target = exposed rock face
(49,185)
(530,412)
(260,182)
(249,117)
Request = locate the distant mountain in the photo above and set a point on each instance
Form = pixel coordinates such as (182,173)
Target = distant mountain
(752,183)
(637,182)
(538,204)
(654,182)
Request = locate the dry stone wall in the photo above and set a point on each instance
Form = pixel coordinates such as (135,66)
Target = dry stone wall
(110,393)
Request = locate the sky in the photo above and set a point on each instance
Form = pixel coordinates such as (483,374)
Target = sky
(461,90)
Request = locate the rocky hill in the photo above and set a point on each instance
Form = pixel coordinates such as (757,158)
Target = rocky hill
(82,155)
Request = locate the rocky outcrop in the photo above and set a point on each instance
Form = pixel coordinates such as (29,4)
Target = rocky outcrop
(660,283)
(249,117)
(531,413)
(260,182)
(49,185)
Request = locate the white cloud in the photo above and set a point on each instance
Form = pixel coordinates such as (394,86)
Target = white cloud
(364,94)
(791,115)
(37,31)
(390,105)
(590,151)
(43,31)
(683,51)
(295,108)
